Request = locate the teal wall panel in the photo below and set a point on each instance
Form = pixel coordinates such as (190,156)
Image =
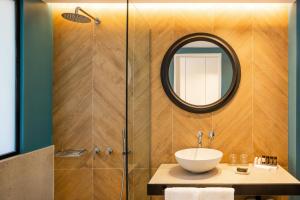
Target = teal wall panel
(292,89)
(36,76)
(294,93)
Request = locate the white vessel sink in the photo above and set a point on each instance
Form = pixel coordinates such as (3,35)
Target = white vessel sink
(198,160)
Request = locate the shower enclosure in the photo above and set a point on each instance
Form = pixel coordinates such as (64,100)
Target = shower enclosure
(138,104)
(101,93)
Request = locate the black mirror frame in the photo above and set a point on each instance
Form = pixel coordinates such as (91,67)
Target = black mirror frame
(166,65)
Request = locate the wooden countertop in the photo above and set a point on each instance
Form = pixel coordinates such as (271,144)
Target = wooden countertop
(258,182)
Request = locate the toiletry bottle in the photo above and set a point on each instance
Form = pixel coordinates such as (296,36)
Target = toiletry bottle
(263,160)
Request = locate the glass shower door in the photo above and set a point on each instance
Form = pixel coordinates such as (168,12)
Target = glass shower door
(138,105)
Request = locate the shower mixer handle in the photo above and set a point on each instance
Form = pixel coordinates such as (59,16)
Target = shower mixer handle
(109,150)
(97,151)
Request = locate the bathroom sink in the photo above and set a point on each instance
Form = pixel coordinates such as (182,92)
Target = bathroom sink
(198,160)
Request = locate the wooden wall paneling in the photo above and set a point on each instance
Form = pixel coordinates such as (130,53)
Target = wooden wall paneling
(89,100)
(186,125)
(130,87)
(254,122)
(109,86)
(258,34)
(141,178)
(192,20)
(139,104)
(162,24)
(72,90)
(141,95)
(73,184)
(270,106)
(107,184)
(233,123)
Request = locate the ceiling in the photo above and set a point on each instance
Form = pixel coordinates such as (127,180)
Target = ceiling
(170,1)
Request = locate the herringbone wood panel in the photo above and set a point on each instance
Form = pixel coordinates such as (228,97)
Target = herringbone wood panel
(107,184)
(141,93)
(233,123)
(73,184)
(109,86)
(255,121)
(270,106)
(89,101)
(72,90)
(161,113)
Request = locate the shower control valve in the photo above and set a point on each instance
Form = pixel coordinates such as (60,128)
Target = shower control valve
(109,150)
(97,151)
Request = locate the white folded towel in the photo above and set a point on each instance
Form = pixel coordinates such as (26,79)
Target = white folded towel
(191,193)
(216,193)
(182,193)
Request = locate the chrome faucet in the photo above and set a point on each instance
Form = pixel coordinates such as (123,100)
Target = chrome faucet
(199,136)
(211,136)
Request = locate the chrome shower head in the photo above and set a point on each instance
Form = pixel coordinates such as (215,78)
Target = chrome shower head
(75,17)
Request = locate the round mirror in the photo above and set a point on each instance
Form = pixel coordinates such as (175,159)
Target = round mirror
(200,72)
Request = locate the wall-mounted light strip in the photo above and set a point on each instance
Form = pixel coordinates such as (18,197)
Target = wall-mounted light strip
(192,6)
(90,6)
(170,1)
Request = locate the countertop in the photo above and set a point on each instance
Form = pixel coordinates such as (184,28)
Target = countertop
(257,182)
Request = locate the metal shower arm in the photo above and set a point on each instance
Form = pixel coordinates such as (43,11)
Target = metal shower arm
(77,9)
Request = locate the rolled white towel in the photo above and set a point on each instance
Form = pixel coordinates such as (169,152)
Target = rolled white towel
(216,193)
(182,193)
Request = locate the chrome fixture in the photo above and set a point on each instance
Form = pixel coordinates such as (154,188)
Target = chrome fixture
(211,136)
(97,151)
(124,142)
(70,153)
(109,150)
(124,153)
(199,136)
(75,17)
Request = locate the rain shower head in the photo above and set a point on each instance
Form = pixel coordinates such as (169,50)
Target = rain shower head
(75,17)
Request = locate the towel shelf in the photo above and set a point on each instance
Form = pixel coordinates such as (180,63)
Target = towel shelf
(240,189)
(259,182)
(70,153)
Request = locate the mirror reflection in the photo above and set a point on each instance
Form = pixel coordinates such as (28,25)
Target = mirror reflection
(200,73)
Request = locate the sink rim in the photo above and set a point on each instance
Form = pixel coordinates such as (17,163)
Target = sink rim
(219,154)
